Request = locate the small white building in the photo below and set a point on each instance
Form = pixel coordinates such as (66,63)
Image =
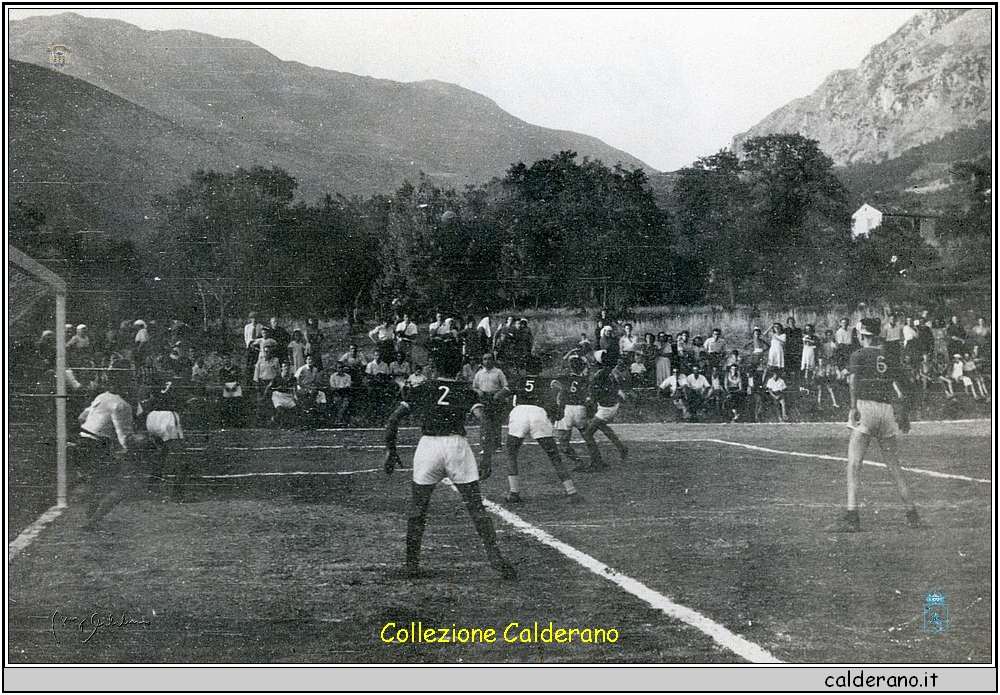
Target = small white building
(864,221)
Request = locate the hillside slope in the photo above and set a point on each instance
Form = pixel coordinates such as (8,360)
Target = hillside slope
(335,132)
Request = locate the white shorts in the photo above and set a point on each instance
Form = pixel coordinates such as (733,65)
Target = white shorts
(573,416)
(876,419)
(443,457)
(164,425)
(529,420)
(607,414)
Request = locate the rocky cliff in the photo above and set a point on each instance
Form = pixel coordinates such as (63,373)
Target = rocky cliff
(932,77)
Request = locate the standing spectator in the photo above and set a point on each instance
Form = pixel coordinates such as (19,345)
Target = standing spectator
(232,393)
(281,337)
(665,354)
(406,332)
(524,342)
(892,339)
(715,348)
(252,332)
(297,351)
(956,335)
(925,337)
(140,349)
(491,389)
(757,349)
(438,323)
(793,345)
(267,369)
(776,354)
(809,342)
(909,335)
(980,336)
(941,339)
(845,344)
(628,342)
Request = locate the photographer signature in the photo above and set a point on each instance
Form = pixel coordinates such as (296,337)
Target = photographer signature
(94,622)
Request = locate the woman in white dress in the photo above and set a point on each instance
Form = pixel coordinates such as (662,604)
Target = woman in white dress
(809,342)
(776,355)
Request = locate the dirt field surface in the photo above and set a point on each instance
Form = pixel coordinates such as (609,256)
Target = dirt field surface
(287,547)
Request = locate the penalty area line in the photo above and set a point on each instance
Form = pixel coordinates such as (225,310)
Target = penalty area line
(723,636)
(824,457)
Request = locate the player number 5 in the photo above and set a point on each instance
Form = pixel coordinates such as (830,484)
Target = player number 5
(529,385)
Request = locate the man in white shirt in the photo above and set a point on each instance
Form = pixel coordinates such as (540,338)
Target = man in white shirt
(627,343)
(107,421)
(672,386)
(490,386)
(696,389)
(715,346)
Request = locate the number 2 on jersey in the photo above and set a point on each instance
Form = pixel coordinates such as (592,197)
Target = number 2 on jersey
(444,395)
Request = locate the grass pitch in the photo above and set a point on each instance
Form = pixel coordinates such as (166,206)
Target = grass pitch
(288,545)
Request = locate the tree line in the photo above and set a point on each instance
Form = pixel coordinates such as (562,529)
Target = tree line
(770,225)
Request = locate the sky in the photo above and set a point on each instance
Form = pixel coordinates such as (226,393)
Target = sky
(667,85)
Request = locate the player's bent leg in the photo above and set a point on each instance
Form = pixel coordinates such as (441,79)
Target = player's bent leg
(596,463)
(548,445)
(612,437)
(473,501)
(564,444)
(416,518)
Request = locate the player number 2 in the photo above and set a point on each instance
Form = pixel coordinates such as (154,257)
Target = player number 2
(880,366)
(441,400)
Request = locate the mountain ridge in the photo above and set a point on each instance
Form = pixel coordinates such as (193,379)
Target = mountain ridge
(334,131)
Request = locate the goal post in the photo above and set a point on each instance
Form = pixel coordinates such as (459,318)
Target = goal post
(56,285)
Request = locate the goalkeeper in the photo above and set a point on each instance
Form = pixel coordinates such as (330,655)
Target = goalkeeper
(878,409)
(442,404)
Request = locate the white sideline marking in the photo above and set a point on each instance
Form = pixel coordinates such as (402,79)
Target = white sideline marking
(280,473)
(29,534)
(825,457)
(355,447)
(731,641)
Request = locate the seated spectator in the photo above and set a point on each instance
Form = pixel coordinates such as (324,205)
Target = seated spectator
(734,387)
(340,393)
(637,370)
(696,391)
(776,388)
(399,370)
(309,395)
(282,392)
(970,376)
(672,387)
(628,342)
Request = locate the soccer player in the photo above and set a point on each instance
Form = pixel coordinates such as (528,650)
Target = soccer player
(572,398)
(106,420)
(490,385)
(607,394)
(163,423)
(874,390)
(529,418)
(443,451)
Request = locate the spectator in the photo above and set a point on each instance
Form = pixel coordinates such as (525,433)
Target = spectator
(809,342)
(438,323)
(308,394)
(297,351)
(231,408)
(696,390)
(776,353)
(793,345)
(281,337)
(665,352)
(892,337)
(637,370)
(140,349)
(340,393)
(776,388)
(757,349)
(282,392)
(735,390)
(845,345)
(715,348)
(399,370)
(673,387)
(252,332)
(956,335)
(628,342)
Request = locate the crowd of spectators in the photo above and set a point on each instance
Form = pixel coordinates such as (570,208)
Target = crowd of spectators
(274,374)
(754,377)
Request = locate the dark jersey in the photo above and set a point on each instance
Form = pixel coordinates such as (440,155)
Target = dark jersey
(537,390)
(441,405)
(604,388)
(873,373)
(574,389)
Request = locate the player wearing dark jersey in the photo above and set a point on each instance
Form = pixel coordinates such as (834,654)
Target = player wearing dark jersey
(875,395)
(572,397)
(442,404)
(607,394)
(535,405)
